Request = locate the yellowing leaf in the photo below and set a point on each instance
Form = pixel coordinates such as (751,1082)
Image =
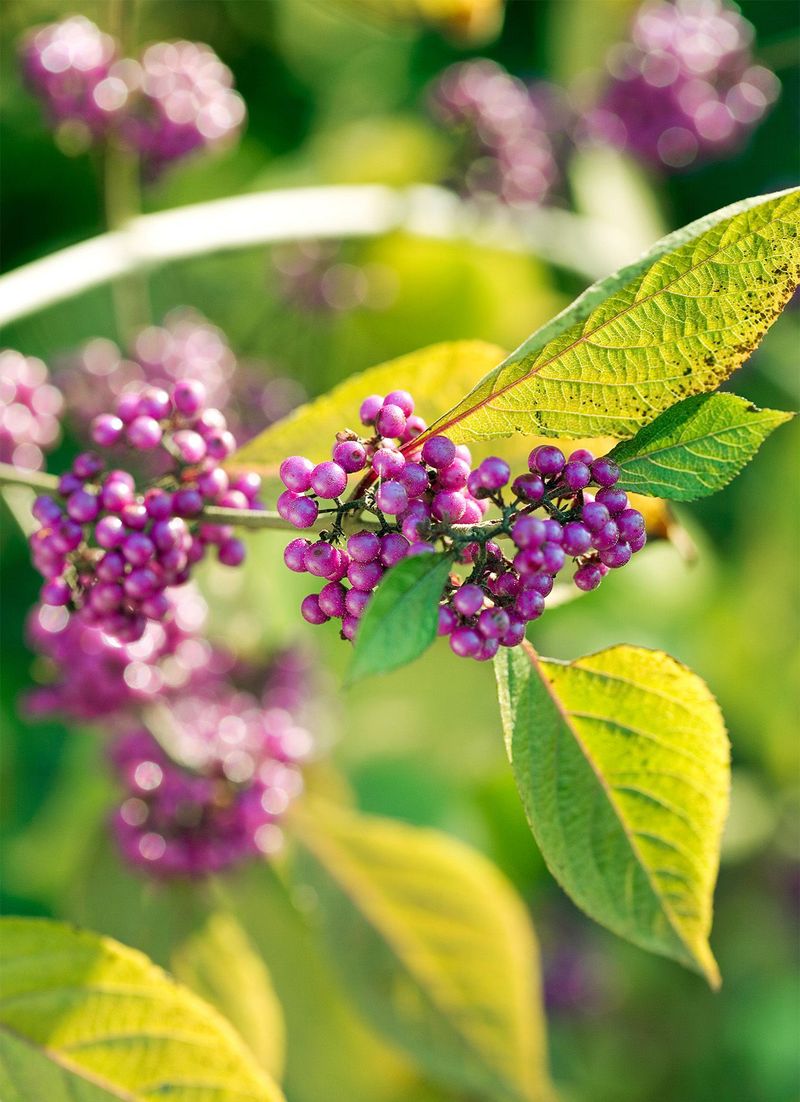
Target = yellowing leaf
(84,1018)
(434,946)
(218,963)
(675,323)
(436,376)
(622,763)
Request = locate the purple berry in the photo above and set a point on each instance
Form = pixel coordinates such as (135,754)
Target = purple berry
(465,642)
(402,399)
(364,575)
(438,451)
(468,600)
(394,547)
(530,604)
(356,600)
(187,503)
(493,473)
(605,471)
(576,475)
(614,500)
(552,557)
(391,498)
(138,549)
(616,556)
(311,612)
(320,559)
(56,592)
(364,547)
(388,463)
(369,409)
(547,460)
(83,506)
(328,480)
(515,633)
(188,397)
(144,433)
(301,512)
(630,523)
(493,623)
(87,465)
(231,552)
(448,506)
(415,479)
(576,539)
(447,620)
(213,484)
(391,421)
(191,446)
(332,599)
(636,543)
(155,402)
(605,537)
(528,531)
(589,576)
(350,455)
(296,473)
(46,510)
(109,532)
(595,515)
(528,487)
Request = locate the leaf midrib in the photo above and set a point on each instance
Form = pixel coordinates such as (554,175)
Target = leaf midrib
(565,716)
(767,415)
(585,337)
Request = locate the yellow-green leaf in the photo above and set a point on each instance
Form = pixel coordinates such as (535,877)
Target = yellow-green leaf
(434,946)
(83,1017)
(675,323)
(437,376)
(622,762)
(219,963)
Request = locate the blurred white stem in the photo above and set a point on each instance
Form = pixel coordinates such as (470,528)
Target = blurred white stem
(584,245)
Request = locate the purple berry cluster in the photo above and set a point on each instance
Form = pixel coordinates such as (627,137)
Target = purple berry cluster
(685,88)
(185,102)
(428,498)
(187,345)
(317,277)
(94,676)
(30,407)
(505,132)
(74,70)
(217,797)
(113,551)
(178,98)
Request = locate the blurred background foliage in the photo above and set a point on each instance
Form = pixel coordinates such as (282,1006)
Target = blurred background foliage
(335,93)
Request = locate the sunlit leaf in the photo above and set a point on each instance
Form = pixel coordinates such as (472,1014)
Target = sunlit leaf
(85,1018)
(401,619)
(622,763)
(219,963)
(675,323)
(695,447)
(437,376)
(434,946)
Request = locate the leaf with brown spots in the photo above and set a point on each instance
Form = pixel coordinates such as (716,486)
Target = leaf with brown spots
(675,323)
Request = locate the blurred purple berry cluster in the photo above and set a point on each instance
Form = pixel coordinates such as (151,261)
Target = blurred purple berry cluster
(430,498)
(685,88)
(113,551)
(186,346)
(30,407)
(178,98)
(507,133)
(317,277)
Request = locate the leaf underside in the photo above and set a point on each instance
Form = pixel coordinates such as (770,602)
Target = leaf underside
(675,323)
(434,946)
(622,763)
(401,619)
(83,1017)
(696,447)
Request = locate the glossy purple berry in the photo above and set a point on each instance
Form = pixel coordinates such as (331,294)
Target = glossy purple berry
(388,463)
(468,600)
(605,537)
(83,506)
(529,487)
(465,642)
(295,473)
(528,531)
(589,576)
(187,503)
(356,600)
(391,421)
(402,399)
(416,481)
(630,523)
(350,455)
(310,610)
(231,552)
(369,409)
(552,557)
(394,547)
(364,547)
(332,599)
(547,460)
(438,451)
(190,446)
(447,620)
(448,506)
(106,430)
(493,623)
(189,397)
(109,532)
(301,512)
(294,555)
(46,510)
(328,480)
(614,500)
(391,498)
(364,575)
(616,556)
(144,433)
(595,516)
(493,473)
(530,604)
(55,592)
(576,538)
(636,543)
(605,471)
(576,475)
(138,549)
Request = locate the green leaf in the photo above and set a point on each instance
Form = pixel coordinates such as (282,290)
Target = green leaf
(434,946)
(401,619)
(219,963)
(675,323)
(436,376)
(85,1018)
(622,763)
(696,447)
